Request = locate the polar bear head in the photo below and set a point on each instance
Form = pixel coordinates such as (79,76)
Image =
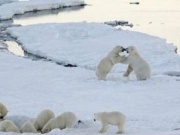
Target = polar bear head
(49,126)
(131,50)
(1,117)
(3,111)
(97,116)
(118,49)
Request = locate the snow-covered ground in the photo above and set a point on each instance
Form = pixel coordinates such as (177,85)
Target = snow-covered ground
(8,10)
(85,44)
(7,1)
(27,87)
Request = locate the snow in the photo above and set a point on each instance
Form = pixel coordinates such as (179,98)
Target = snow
(7,1)
(2,45)
(27,87)
(8,10)
(82,43)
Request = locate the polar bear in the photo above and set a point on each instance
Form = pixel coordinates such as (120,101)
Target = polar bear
(8,126)
(108,62)
(65,120)
(28,127)
(3,111)
(112,118)
(43,118)
(137,63)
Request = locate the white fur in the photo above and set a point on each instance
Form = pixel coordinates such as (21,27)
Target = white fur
(8,126)
(65,120)
(112,118)
(28,127)
(137,63)
(43,118)
(108,62)
(3,111)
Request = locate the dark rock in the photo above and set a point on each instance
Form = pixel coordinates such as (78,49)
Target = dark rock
(117,23)
(70,65)
(137,3)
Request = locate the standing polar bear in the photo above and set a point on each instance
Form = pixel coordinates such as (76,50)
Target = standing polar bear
(42,119)
(65,120)
(28,127)
(137,63)
(108,62)
(8,126)
(112,118)
(3,111)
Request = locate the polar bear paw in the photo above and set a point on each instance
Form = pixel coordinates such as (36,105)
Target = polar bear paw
(102,131)
(125,74)
(119,132)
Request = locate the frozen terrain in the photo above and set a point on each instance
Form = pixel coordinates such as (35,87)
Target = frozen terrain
(8,10)
(7,1)
(27,87)
(158,18)
(85,44)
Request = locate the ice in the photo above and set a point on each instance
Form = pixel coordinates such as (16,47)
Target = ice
(85,44)
(7,1)
(8,10)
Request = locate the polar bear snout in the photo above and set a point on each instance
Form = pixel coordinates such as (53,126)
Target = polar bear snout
(131,49)
(94,119)
(123,49)
(126,49)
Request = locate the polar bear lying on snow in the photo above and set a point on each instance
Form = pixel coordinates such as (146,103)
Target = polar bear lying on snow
(108,62)
(42,119)
(3,111)
(65,120)
(8,126)
(112,118)
(137,63)
(28,127)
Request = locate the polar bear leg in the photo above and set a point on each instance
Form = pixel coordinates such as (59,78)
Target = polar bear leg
(102,76)
(118,59)
(120,129)
(104,128)
(142,75)
(139,78)
(128,71)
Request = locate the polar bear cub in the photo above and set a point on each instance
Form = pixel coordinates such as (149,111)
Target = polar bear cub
(108,62)
(28,127)
(112,118)
(43,118)
(8,126)
(137,63)
(65,120)
(3,111)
